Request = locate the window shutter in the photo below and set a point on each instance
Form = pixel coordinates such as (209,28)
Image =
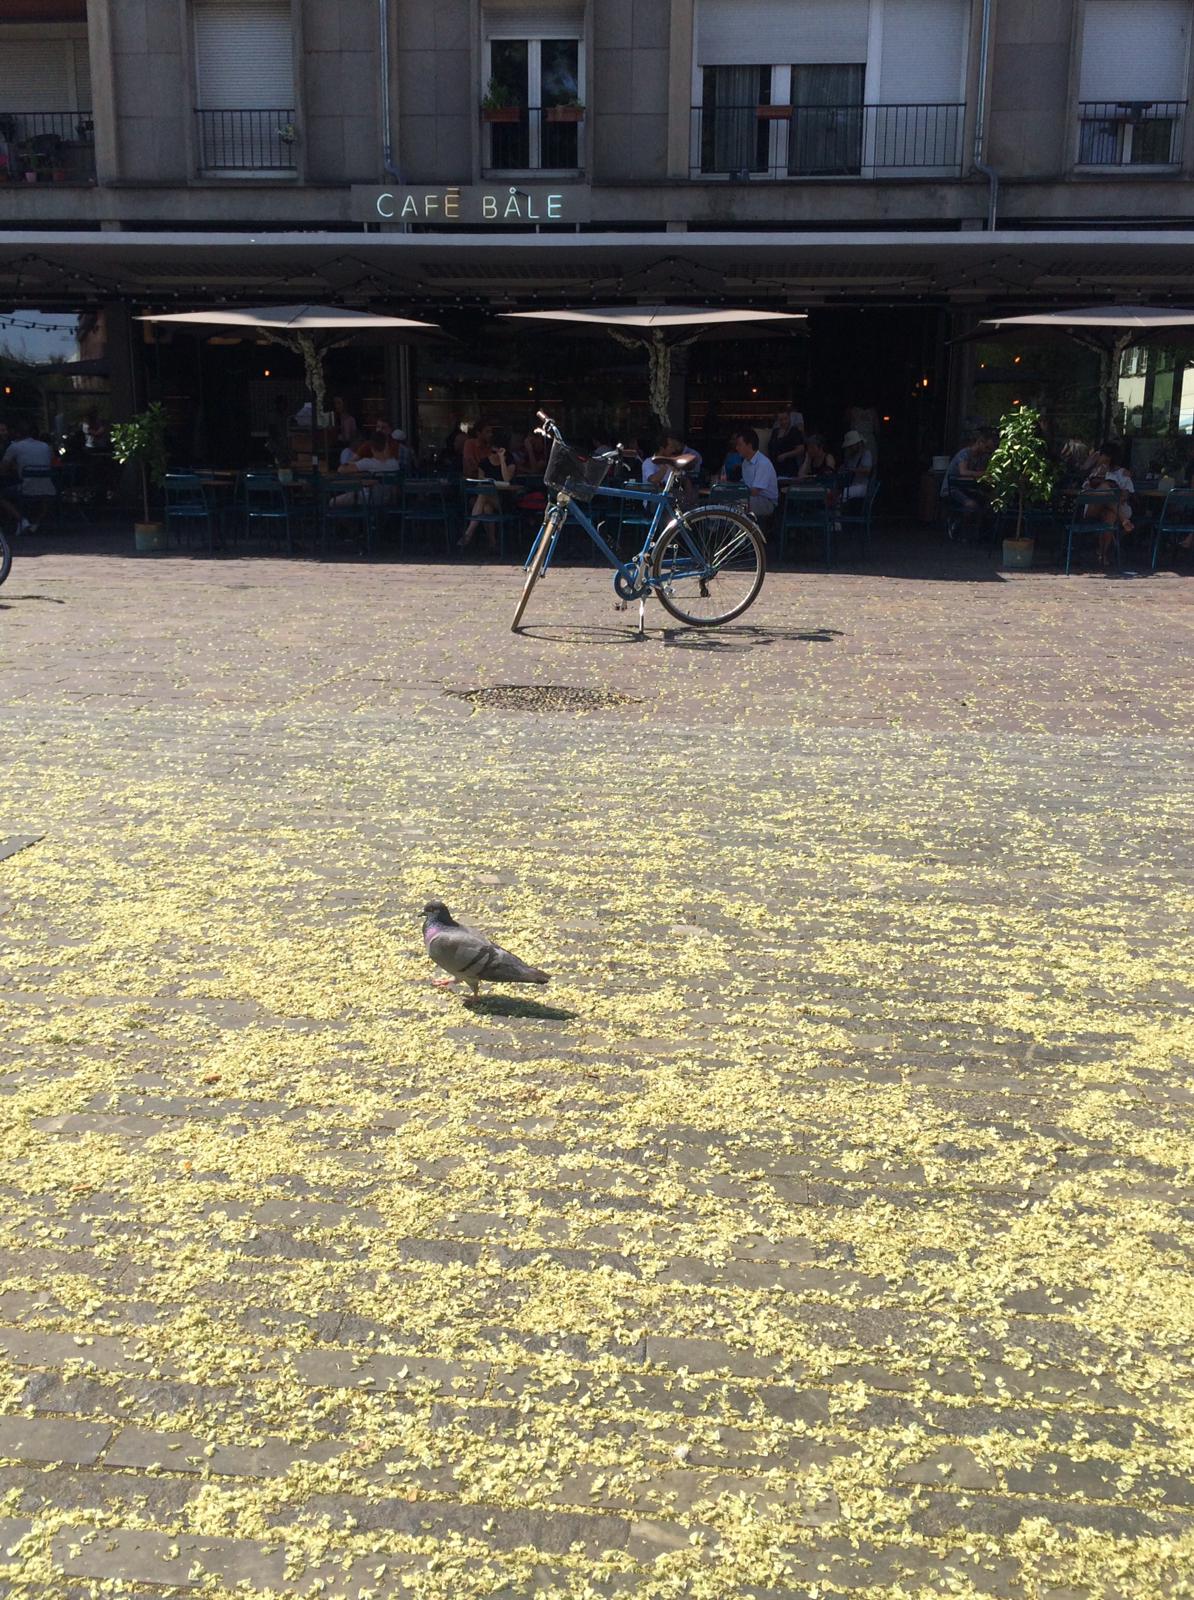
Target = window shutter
(35,75)
(563,21)
(1134,52)
(244,55)
(924,46)
(739,32)
(82,74)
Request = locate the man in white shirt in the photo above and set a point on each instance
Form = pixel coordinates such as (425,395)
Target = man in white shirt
(759,476)
(26,463)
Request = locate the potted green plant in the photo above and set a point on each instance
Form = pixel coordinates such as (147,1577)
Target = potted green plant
(499,104)
(1022,475)
(143,442)
(567,111)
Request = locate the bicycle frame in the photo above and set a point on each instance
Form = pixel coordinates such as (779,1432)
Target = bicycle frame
(665,513)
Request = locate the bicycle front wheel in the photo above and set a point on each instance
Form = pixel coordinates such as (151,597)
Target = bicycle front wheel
(543,544)
(5,558)
(709,565)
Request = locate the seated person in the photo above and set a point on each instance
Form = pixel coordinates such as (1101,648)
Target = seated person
(32,494)
(731,467)
(858,463)
(670,444)
(817,465)
(759,476)
(382,462)
(534,450)
(786,445)
(1108,473)
(496,463)
(961,485)
(406,456)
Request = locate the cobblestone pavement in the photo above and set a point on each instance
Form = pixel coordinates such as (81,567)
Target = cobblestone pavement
(822,1230)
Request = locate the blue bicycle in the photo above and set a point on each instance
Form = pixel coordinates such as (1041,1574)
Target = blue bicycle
(706,564)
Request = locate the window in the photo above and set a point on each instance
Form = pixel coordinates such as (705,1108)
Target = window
(1132,82)
(534,72)
(45,102)
(733,137)
(826,120)
(244,80)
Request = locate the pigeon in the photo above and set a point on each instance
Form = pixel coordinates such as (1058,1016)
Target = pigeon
(468,956)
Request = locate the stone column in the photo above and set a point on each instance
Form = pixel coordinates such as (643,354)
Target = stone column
(103,90)
(679,100)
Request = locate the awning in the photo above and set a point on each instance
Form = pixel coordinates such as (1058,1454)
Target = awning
(789,270)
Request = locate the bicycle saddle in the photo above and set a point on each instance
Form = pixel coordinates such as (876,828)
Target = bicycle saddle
(684,462)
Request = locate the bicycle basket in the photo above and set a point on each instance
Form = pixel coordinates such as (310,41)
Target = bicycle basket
(579,475)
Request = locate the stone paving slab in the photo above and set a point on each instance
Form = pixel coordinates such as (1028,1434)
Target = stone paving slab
(824,1223)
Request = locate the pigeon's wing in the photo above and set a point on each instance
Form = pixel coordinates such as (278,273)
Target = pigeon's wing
(461,952)
(502,967)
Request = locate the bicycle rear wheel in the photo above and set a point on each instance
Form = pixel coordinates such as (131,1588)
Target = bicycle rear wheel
(543,544)
(5,558)
(709,566)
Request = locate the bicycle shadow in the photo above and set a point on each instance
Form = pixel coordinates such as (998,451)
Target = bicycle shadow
(501,1005)
(581,633)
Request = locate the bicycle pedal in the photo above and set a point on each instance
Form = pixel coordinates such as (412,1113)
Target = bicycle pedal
(620,605)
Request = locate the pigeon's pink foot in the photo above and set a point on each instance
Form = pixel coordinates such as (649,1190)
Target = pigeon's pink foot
(443,983)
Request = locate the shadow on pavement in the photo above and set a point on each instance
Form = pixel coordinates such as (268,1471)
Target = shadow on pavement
(745,638)
(500,1005)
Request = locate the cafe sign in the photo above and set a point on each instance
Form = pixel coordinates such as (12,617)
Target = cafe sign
(471,205)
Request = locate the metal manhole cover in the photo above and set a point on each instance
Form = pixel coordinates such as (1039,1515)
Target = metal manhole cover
(542,697)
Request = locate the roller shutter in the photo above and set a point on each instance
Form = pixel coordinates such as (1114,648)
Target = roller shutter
(1134,52)
(743,32)
(244,55)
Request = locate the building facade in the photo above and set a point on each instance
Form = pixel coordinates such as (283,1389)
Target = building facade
(933,160)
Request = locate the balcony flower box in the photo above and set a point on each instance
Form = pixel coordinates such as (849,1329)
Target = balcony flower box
(564,114)
(773,113)
(501,113)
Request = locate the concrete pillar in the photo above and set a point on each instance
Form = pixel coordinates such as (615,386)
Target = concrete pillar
(126,360)
(103,90)
(679,98)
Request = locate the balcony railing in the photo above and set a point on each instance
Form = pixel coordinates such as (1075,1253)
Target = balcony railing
(533,138)
(1130,133)
(246,141)
(843,141)
(47,147)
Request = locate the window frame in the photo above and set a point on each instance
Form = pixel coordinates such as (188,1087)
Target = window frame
(534,39)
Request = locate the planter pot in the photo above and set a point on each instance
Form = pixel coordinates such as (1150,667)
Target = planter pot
(773,113)
(564,114)
(1017,553)
(59,175)
(30,176)
(149,536)
(501,113)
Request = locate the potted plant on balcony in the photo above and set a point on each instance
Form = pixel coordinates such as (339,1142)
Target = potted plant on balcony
(1021,475)
(499,105)
(773,113)
(567,111)
(143,442)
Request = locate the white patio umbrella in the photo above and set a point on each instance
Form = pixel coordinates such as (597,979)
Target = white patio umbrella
(659,330)
(311,331)
(1134,318)
(1107,329)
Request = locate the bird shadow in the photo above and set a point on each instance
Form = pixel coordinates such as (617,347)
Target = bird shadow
(500,1005)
